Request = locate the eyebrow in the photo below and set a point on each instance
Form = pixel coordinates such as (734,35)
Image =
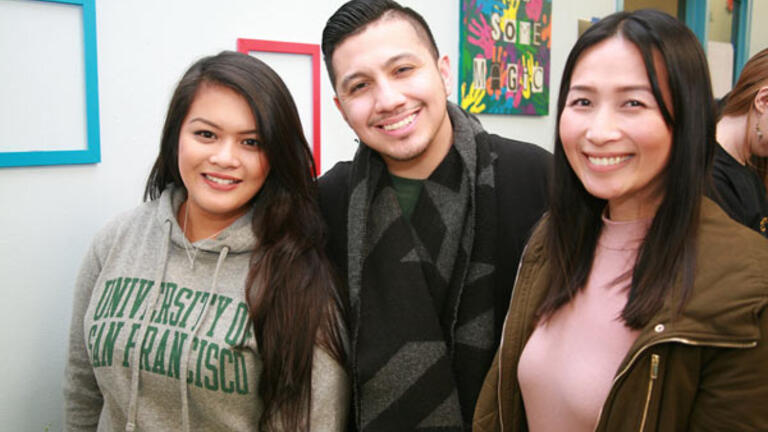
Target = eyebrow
(394,59)
(629,88)
(397,58)
(214,125)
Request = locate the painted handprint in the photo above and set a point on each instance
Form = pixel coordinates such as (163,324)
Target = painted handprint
(533,9)
(471,101)
(487,7)
(510,10)
(483,38)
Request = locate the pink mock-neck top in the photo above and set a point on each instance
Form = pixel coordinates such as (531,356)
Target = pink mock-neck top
(567,366)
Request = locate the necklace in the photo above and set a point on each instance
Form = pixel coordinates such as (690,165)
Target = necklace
(190,248)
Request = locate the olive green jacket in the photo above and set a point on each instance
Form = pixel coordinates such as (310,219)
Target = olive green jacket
(703,370)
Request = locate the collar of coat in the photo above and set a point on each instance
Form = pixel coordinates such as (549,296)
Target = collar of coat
(729,288)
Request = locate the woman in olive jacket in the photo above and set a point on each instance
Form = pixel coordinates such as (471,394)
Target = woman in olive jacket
(639,305)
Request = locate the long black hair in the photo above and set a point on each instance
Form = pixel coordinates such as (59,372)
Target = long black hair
(669,248)
(290,290)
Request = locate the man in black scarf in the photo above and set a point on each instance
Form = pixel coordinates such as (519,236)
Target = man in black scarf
(427,223)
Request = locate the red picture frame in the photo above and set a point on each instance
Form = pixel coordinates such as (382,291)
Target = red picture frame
(247,46)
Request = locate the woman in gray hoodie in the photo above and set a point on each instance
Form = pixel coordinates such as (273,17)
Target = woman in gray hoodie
(212,306)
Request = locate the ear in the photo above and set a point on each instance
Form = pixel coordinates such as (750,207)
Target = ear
(337,102)
(761,100)
(444,67)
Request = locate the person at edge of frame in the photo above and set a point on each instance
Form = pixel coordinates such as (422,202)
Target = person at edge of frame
(738,171)
(427,222)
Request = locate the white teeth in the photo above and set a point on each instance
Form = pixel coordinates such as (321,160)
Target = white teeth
(220,180)
(404,122)
(607,161)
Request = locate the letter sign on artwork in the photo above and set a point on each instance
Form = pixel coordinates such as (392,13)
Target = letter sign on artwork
(504,56)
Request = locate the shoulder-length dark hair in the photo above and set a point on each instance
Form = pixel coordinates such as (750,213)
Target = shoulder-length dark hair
(290,290)
(668,250)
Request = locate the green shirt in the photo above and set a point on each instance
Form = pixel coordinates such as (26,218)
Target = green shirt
(407,191)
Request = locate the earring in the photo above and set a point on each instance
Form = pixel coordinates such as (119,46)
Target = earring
(759,132)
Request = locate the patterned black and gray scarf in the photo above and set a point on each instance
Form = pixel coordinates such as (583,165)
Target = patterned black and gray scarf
(422,291)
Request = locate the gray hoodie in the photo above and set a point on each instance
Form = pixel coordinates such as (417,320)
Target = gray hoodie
(160,339)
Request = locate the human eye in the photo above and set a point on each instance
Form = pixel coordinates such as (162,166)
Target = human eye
(402,69)
(252,142)
(356,87)
(579,102)
(205,134)
(634,103)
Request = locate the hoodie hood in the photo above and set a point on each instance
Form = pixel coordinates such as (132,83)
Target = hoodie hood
(238,237)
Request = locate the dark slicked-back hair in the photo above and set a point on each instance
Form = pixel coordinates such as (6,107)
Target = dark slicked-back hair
(669,249)
(355,15)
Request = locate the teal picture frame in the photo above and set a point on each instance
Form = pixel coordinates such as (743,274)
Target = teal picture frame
(92,152)
(743,30)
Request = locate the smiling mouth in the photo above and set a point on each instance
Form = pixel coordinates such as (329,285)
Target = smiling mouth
(608,161)
(401,124)
(221,181)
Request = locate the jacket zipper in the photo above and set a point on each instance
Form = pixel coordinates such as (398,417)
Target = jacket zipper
(503,330)
(681,340)
(651,381)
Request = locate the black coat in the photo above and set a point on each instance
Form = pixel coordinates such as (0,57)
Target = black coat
(740,192)
(522,177)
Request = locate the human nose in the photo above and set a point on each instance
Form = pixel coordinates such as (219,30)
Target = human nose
(603,128)
(225,154)
(388,96)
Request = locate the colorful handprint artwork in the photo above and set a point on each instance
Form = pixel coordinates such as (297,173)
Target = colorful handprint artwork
(504,56)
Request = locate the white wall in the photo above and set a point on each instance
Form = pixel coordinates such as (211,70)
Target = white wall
(758,40)
(49,214)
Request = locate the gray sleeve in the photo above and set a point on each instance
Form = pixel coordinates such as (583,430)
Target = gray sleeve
(82,397)
(330,394)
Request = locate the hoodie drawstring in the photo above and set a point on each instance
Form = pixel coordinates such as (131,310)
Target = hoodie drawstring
(188,346)
(130,425)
